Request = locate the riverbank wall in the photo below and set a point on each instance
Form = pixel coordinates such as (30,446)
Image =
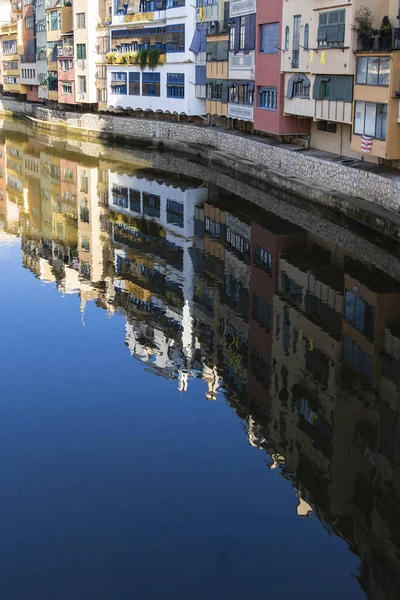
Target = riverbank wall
(360,193)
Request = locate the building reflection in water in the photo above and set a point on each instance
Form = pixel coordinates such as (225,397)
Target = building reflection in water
(301,339)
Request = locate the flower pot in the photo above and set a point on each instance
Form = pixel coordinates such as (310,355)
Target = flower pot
(367,43)
(385,42)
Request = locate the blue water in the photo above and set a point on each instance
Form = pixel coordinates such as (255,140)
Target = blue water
(181,416)
(115,485)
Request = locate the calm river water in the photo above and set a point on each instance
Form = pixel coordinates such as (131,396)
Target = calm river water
(199,398)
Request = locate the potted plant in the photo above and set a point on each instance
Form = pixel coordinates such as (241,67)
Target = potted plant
(364,20)
(111,57)
(385,34)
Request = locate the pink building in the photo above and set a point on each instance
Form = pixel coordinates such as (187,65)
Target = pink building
(66,71)
(28,65)
(270,89)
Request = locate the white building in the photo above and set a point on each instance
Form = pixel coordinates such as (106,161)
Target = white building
(163,257)
(168,27)
(41,50)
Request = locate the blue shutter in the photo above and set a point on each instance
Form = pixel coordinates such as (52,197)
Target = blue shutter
(200,78)
(251,21)
(196,42)
(237,35)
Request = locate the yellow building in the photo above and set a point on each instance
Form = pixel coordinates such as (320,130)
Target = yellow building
(11,49)
(376,104)
(217,74)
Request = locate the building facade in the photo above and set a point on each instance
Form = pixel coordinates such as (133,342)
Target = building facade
(151,66)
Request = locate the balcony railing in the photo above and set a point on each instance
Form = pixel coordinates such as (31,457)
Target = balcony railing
(65,50)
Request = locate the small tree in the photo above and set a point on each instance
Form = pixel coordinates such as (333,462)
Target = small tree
(364,21)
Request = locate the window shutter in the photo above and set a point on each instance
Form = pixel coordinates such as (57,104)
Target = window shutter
(317,88)
(222,50)
(203,37)
(237,36)
(195,45)
(290,87)
(251,31)
(224,93)
(200,76)
(332,34)
(322,33)
(211,49)
(340,35)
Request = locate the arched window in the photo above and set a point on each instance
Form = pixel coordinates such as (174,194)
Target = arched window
(306,36)
(287,35)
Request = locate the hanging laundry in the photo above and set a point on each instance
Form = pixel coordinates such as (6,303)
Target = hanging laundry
(312,55)
(322,61)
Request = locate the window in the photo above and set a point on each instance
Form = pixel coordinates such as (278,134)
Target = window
(306,43)
(214,91)
(151,84)
(66,65)
(82,84)
(118,82)
(267,98)
(102,72)
(10,47)
(134,84)
(67,88)
(242,32)
(263,259)
(80,20)
(175,85)
(326,126)
(241,94)
(232,38)
(373,70)
(331,28)
(301,89)
(359,361)
(212,227)
(290,287)
(81,51)
(54,21)
(103,44)
(28,22)
(175,213)
(296,41)
(85,243)
(84,213)
(262,312)
(84,183)
(360,314)
(237,241)
(269,38)
(370,119)
(287,36)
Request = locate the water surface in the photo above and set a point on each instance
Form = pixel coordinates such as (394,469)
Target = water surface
(199,399)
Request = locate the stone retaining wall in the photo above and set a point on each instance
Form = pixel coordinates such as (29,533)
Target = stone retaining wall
(333,177)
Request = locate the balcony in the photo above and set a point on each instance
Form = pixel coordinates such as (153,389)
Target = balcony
(9,29)
(130,58)
(241,66)
(240,111)
(65,51)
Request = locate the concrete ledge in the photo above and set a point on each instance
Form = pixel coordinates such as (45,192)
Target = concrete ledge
(364,196)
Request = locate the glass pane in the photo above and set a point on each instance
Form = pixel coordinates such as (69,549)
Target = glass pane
(373,70)
(359,115)
(370,119)
(362,64)
(384,71)
(349,306)
(360,314)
